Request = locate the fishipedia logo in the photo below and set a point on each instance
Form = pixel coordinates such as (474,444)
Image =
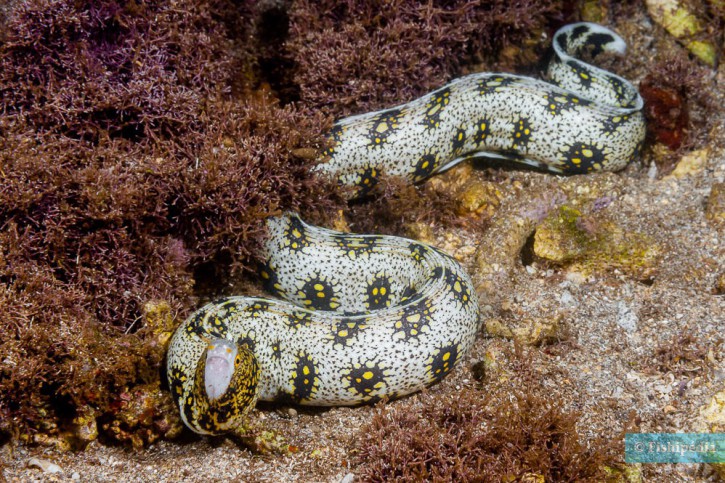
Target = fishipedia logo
(674,448)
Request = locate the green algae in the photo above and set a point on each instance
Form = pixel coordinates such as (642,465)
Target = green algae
(592,243)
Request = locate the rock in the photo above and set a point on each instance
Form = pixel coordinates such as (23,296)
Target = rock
(691,163)
(498,253)
(59,442)
(663,388)
(348,478)
(45,465)
(558,238)
(496,328)
(339,223)
(479,198)
(83,430)
(712,420)
(683,24)
(567,298)
(715,209)
(144,415)
(306,153)
(532,332)
(421,232)
(594,11)
(158,319)
(492,368)
(713,414)
(630,473)
(591,243)
(533,478)
(626,317)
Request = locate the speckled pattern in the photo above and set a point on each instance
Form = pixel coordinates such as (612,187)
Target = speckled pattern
(584,119)
(367,316)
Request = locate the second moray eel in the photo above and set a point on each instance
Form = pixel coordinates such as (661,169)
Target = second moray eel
(584,119)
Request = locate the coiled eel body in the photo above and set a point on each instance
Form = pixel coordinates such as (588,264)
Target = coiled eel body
(360,317)
(363,317)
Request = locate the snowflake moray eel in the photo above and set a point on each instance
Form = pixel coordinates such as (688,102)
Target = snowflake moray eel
(361,317)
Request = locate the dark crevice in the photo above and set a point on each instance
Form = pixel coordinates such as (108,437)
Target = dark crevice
(527,251)
(276,66)
(647,281)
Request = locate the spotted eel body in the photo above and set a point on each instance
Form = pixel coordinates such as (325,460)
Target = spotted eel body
(584,119)
(360,317)
(363,316)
